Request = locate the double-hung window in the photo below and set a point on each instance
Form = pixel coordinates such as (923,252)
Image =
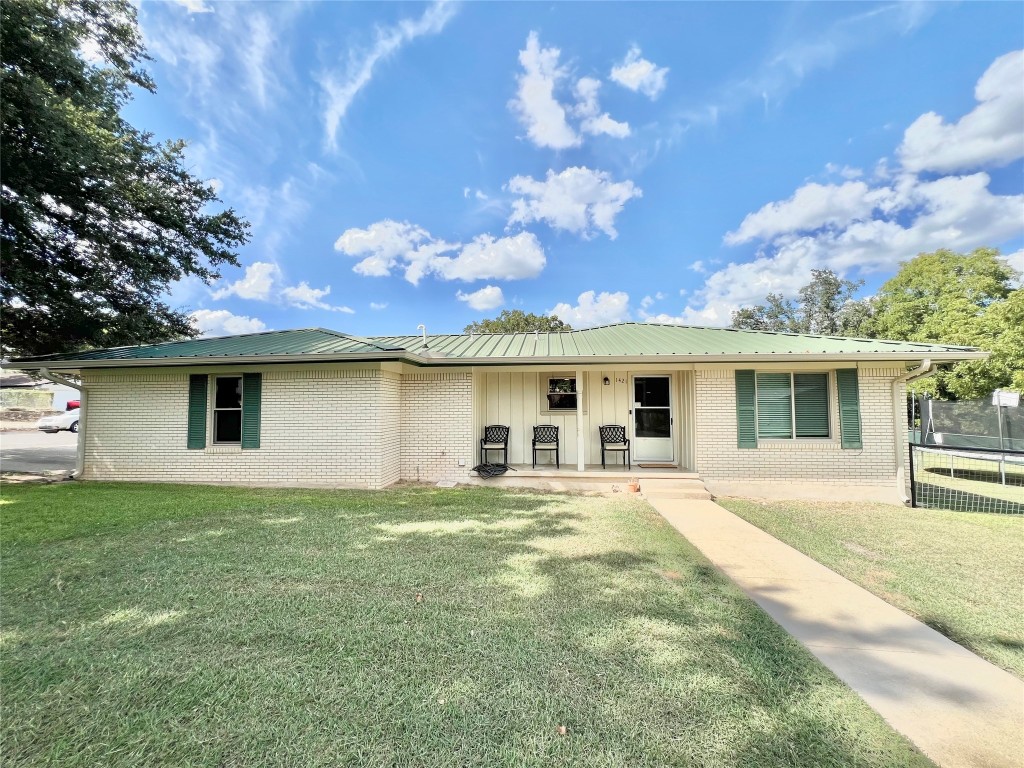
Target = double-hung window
(792,405)
(237,404)
(562,394)
(227,410)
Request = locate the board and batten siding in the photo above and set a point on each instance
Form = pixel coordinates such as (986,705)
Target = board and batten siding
(518,400)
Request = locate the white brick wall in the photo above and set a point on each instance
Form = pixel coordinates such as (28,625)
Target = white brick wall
(437,425)
(336,426)
(824,461)
(320,426)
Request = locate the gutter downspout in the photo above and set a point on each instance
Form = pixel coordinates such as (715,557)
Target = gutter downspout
(82,417)
(898,417)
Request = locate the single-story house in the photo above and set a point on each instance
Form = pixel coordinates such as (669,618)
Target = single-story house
(320,407)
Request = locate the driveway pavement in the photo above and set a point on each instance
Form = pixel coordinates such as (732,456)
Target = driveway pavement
(37,451)
(959,709)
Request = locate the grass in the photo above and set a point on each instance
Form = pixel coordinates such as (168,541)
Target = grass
(974,484)
(959,572)
(162,625)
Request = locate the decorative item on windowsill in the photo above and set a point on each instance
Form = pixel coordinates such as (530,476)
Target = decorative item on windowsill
(633,486)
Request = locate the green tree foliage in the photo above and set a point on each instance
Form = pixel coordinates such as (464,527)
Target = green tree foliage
(935,295)
(98,218)
(826,306)
(952,298)
(517,321)
(941,297)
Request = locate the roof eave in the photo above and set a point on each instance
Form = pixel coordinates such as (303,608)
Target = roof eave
(713,357)
(937,356)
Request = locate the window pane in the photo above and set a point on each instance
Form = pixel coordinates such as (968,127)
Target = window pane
(229,392)
(227,426)
(561,385)
(651,392)
(562,401)
(810,391)
(653,423)
(774,406)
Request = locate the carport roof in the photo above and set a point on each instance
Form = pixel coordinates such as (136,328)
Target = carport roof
(623,341)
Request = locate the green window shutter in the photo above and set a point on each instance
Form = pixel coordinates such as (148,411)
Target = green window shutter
(774,405)
(252,396)
(810,397)
(198,386)
(746,410)
(849,408)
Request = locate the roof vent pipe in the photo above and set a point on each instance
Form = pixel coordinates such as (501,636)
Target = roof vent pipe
(422,327)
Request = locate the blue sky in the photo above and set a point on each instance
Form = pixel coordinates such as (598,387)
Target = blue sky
(407,163)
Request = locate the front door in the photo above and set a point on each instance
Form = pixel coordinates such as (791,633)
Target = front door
(652,418)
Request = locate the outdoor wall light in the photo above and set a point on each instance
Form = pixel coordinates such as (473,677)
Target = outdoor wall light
(606,381)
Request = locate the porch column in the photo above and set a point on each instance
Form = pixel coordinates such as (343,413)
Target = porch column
(581,462)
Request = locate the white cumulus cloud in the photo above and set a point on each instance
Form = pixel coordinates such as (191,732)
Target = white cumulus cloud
(220,322)
(382,245)
(577,200)
(588,109)
(535,103)
(257,283)
(264,281)
(488,297)
(389,245)
(303,296)
(488,258)
(903,217)
(992,134)
(594,309)
(638,74)
(811,207)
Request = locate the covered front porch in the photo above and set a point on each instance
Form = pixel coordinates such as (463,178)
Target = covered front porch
(653,404)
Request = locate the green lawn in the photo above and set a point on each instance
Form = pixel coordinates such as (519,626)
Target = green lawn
(959,572)
(162,625)
(973,484)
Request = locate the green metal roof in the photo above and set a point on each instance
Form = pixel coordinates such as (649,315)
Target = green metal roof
(305,341)
(652,340)
(635,341)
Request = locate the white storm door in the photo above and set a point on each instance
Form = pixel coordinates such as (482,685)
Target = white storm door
(652,418)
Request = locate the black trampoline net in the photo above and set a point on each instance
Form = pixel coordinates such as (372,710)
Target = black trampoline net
(967,456)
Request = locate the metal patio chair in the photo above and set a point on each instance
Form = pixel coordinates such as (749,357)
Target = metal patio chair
(545,438)
(614,440)
(495,439)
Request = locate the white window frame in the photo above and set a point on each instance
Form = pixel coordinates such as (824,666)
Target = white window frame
(214,409)
(547,391)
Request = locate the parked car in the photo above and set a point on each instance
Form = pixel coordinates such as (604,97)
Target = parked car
(73,405)
(67,420)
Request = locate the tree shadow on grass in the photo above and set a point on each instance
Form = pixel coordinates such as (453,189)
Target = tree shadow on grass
(465,631)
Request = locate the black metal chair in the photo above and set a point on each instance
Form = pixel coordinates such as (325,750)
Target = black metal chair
(613,439)
(545,438)
(495,439)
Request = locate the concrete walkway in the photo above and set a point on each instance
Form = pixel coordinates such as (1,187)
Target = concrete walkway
(958,709)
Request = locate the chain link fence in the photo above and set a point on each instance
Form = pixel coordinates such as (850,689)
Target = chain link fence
(967,456)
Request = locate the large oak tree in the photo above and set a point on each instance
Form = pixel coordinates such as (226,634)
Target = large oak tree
(98,217)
